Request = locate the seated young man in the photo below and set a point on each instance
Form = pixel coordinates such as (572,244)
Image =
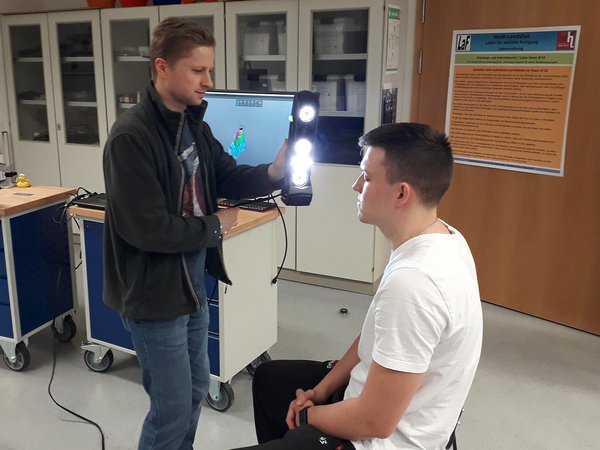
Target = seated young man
(407,375)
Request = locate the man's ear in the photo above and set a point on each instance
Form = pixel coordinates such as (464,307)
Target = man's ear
(403,192)
(160,66)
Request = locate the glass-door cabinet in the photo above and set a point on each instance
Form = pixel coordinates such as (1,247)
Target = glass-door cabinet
(78,79)
(340,58)
(210,16)
(31,106)
(262,45)
(126,33)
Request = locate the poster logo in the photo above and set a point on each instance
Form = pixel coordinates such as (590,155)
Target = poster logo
(565,40)
(463,42)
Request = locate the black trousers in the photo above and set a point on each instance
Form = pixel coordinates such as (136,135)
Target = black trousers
(273,388)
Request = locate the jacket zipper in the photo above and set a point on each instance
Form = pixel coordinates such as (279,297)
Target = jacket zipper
(185,266)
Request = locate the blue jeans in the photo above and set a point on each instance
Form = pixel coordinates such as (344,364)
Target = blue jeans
(173,355)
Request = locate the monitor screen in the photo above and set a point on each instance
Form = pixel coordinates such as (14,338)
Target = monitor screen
(250,126)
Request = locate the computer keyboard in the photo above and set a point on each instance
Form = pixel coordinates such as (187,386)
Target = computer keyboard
(258,206)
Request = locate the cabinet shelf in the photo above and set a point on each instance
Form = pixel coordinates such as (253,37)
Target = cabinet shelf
(79,104)
(29,59)
(72,59)
(126,105)
(33,102)
(340,57)
(263,57)
(133,59)
(341,113)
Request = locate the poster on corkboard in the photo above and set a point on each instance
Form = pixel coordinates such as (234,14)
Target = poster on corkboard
(509,94)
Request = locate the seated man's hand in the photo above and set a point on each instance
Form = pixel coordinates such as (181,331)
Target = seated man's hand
(303,400)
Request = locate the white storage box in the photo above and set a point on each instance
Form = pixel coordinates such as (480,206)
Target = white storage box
(355,94)
(257,39)
(281,37)
(328,40)
(328,94)
(328,36)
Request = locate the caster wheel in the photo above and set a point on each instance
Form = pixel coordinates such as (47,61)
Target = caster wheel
(68,331)
(101,366)
(225,399)
(23,358)
(251,368)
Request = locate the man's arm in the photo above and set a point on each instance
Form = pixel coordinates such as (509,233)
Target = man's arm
(339,375)
(336,379)
(375,413)
(277,168)
(137,205)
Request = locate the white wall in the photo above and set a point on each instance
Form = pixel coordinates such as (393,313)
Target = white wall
(29,6)
(3,98)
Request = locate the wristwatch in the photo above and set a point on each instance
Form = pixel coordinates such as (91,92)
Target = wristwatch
(303,416)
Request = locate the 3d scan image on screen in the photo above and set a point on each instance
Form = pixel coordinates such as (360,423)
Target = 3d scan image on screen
(250,126)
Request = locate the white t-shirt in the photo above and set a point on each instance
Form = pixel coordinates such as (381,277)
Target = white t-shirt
(425,318)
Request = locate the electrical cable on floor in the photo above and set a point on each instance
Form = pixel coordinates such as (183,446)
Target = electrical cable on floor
(85,419)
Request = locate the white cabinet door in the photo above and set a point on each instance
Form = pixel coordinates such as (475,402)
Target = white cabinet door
(79,100)
(4,122)
(30,100)
(262,45)
(340,56)
(330,239)
(211,16)
(126,36)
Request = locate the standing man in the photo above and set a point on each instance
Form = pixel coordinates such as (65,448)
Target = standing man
(406,376)
(164,171)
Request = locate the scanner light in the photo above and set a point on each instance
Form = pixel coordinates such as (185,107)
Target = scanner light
(300,178)
(301,162)
(300,166)
(307,113)
(303,147)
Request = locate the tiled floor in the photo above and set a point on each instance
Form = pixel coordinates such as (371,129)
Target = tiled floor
(538,384)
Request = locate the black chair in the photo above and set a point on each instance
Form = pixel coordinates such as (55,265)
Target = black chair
(452,441)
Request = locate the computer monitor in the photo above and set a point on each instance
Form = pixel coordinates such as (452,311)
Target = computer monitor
(251,126)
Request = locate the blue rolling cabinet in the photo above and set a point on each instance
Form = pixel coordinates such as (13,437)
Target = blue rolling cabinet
(243,317)
(36,273)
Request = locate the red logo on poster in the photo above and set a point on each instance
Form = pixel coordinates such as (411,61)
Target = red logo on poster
(566,40)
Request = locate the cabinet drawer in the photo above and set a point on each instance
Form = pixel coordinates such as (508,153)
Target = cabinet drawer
(6,323)
(213,355)
(213,312)
(212,287)
(2,264)
(4,300)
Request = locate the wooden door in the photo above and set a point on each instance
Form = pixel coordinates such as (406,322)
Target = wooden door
(535,238)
